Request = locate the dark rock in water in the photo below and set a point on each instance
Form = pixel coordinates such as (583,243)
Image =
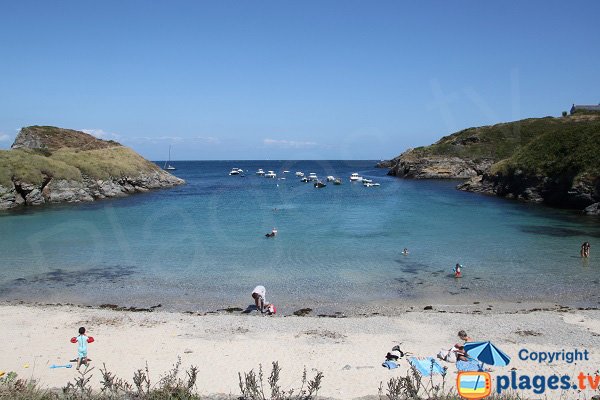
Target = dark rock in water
(428,308)
(302,312)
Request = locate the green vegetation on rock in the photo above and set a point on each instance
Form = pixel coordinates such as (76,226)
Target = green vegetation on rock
(47,151)
(29,166)
(501,141)
(571,148)
(105,163)
(52,165)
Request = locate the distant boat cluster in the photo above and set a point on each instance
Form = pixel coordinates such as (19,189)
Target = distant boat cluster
(312,177)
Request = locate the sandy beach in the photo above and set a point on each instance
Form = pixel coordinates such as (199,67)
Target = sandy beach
(349,351)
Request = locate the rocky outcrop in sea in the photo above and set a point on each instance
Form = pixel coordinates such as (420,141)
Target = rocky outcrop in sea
(52,189)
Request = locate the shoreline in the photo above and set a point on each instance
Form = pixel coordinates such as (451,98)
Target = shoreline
(394,308)
(348,350)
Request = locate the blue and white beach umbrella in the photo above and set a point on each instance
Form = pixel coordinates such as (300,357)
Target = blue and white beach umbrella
(487,353)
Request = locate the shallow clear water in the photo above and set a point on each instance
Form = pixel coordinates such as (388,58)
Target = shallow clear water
(202,245)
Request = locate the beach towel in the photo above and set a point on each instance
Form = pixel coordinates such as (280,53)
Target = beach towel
(471,365)
(389,364)
(427,366)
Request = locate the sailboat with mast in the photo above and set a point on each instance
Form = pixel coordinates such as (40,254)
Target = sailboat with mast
(168,165)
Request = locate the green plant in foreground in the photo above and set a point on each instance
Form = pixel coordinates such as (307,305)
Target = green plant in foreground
(252,387)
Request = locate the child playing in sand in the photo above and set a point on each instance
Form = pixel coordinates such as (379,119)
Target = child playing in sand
(82,340)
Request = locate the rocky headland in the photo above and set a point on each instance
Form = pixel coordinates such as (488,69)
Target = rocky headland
(53,165)
(549,160)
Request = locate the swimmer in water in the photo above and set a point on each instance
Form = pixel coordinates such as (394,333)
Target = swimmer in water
(405,252)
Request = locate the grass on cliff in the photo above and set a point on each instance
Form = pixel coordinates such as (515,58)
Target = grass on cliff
(32,166)
(501,141)
(572,150)
(105,163)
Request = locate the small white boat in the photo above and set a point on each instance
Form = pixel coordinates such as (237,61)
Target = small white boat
(304,179)
(330,178)
(313,177)
(299,174)
(319,184)
(168,165)
(355,177)
(271,174)
(370,184)
(365,180)
(236,171)
(286,172)
(260,172)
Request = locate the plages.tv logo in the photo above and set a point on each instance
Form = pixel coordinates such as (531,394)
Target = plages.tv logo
(474,385)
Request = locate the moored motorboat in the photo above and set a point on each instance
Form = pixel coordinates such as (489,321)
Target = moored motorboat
(260,172)
(304,179)
(365,180)
(299,174)
(270,174)
(355,177)
(319,184)
(236,171)
(337,181)
(313,176)
(330,178)
(371,184)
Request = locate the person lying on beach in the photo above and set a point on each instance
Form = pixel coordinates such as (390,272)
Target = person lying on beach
(82,341)
(258,294)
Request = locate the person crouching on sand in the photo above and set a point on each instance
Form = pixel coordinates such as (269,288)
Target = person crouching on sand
(82,341)
(258,294)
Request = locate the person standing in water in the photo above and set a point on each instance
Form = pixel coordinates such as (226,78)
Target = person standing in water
(457,271)
(585,250)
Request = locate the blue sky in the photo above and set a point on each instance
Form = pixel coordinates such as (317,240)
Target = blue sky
(290,80)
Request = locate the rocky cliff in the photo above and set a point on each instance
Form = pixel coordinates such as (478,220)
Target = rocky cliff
(54,165)
(555,161)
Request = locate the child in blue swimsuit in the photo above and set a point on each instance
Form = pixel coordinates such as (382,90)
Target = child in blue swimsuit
(82,341)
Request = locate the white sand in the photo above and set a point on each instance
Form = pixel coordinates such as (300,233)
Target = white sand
(222,345)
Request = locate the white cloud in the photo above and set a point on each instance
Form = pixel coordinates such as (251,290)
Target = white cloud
(4,137)
(288,143)
(101,134)
(157,139)
(207,139)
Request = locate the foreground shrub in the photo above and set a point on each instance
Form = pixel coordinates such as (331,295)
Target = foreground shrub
(252,386)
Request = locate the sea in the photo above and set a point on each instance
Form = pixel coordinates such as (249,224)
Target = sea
(201,247)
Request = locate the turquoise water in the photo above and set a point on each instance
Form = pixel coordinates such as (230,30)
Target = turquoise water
(201,246)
